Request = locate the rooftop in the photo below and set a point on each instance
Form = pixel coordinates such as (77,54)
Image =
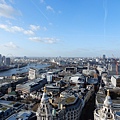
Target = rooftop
(32,82)
(116,76)
(22,115)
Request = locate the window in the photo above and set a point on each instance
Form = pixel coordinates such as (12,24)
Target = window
(109,116)
(48,118)
(43,110)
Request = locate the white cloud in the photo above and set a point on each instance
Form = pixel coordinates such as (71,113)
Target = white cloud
(44,40)
(7,11)
(10,45)
(11,28)
(50,8)
(28,32)
(14,29)
(34,27)
(5,27)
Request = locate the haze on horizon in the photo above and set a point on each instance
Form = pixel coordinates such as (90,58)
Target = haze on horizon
(77,28)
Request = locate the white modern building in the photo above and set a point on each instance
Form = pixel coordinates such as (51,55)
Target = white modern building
(49,76)
(78,79)
(115,80)
(32,73)
(31,85)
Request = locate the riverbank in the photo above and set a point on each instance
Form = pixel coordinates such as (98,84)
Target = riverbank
(23,69)
(6,68)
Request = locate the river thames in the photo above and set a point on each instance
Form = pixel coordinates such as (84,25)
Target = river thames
(23,69)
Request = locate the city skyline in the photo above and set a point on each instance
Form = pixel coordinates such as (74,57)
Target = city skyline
(60,28)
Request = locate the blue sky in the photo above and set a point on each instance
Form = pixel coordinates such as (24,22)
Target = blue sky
(67,28)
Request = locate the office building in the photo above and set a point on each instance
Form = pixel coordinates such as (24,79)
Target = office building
(104,56)
(0,59)
(31,85)
(8,61)
(32,73)
(3,60)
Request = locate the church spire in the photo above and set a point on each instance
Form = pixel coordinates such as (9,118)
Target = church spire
(44,96)
(108,101)
(108,92)
(45,109)
(45,89)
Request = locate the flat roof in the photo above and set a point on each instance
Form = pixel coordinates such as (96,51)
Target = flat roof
(7,103)
(22,115)
(116,76)
(31,82)
(5,83)
(4,108)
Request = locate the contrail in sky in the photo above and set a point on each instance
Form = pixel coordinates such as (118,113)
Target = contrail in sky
(40,10)
(105,14)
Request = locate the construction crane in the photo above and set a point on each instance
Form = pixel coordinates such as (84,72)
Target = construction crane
(116,64)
